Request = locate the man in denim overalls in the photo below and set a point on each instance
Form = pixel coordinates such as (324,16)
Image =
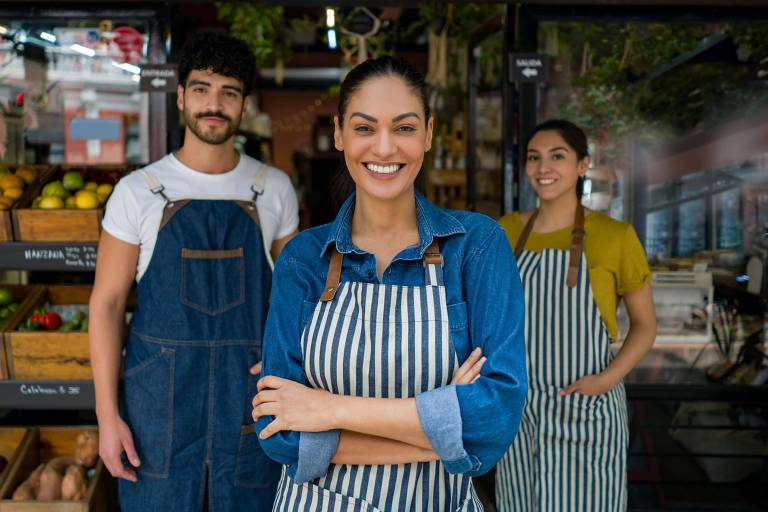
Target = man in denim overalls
(198,230)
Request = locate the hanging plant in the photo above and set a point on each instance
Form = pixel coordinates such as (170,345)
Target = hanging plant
(263,27)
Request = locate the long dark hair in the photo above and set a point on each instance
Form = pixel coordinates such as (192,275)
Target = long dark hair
(572,135)
(343,184)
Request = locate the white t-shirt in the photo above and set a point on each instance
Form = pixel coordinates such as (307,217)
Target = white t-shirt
(133,212)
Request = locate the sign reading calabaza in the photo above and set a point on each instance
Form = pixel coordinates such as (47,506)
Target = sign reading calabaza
(28,389)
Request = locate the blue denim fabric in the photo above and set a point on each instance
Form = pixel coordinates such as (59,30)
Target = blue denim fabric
(485,309)
(196,332)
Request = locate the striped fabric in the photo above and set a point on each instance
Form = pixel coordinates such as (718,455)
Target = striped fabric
(383,341)
(570,452)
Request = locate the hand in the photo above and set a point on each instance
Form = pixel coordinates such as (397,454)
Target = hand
(295,407)
(115,438)
(255,369)
(591,385)
(469,371)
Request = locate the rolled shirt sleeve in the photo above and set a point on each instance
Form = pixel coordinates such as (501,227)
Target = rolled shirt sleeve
(471,426)
(306,454)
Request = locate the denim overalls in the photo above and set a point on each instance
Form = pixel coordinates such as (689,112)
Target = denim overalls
(202,304)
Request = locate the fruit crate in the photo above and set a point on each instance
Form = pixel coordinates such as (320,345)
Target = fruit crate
(43,444)
(22,295)
(35,173)
(49,355)
(32,224)
(11,439)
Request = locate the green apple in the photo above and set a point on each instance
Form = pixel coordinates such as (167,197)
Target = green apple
(73,181)
(55,189)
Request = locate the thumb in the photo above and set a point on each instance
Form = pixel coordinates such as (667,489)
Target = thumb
(130,449)
(569,389)
(255,369)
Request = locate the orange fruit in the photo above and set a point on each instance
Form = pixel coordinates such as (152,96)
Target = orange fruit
(13,193)
(11,181)
(26,174)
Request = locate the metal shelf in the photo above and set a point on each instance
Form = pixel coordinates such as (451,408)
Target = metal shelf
(63,256)
(47,394)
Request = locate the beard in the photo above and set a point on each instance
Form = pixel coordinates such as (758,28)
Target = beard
(211,134)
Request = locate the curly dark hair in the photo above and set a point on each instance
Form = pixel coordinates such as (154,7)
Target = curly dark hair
(223,54)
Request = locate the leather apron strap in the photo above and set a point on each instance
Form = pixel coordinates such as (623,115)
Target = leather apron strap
(432,256)
(577,243)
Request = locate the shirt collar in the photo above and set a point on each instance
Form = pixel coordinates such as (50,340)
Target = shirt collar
(433,222)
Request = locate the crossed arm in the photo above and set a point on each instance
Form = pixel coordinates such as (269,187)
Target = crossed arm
(373,430)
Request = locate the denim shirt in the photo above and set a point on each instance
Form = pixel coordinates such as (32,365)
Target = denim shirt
(469,426)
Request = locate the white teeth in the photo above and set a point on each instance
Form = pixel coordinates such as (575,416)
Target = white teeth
(383,169)
(545,181)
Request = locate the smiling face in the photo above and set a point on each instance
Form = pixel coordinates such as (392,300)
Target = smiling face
(212,105)
(553,167)
(384,135)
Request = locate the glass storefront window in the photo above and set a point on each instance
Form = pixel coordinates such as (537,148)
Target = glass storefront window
(677,118)
(70,92)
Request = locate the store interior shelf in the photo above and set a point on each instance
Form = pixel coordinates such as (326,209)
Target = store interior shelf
(65,256)
(48,394)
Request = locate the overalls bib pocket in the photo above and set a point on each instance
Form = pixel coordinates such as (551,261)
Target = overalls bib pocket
(212,281)
(149,411)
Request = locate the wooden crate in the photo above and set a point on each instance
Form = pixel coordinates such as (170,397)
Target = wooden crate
(31,225)
(44,444)
(49,355)
(6,216)
(10,446)
(24,295)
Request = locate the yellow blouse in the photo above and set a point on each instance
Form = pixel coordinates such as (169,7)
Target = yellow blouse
(616,259)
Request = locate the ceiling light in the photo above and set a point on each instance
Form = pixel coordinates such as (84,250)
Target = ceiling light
(48,37)
(330,18)
(82,49)
(332,39)
(127,67)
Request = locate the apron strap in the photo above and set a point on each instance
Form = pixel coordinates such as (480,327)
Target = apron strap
(154,185)
(259,182)
(577,246)
(577,243)
(525,234)
(433,264)
(334,275)
(433,270)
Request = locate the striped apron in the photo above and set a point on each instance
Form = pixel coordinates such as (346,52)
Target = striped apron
(383,341)
(570,453)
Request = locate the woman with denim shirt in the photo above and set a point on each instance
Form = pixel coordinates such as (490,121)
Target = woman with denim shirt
(362,398)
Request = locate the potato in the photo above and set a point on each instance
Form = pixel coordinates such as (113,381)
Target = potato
(87,449)
(74,484)
(50,485)
(28,489)
(51,478)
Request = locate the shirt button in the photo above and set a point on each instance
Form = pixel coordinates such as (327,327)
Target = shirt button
(369,274)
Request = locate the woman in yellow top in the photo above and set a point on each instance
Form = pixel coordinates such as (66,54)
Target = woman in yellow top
(571,450)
